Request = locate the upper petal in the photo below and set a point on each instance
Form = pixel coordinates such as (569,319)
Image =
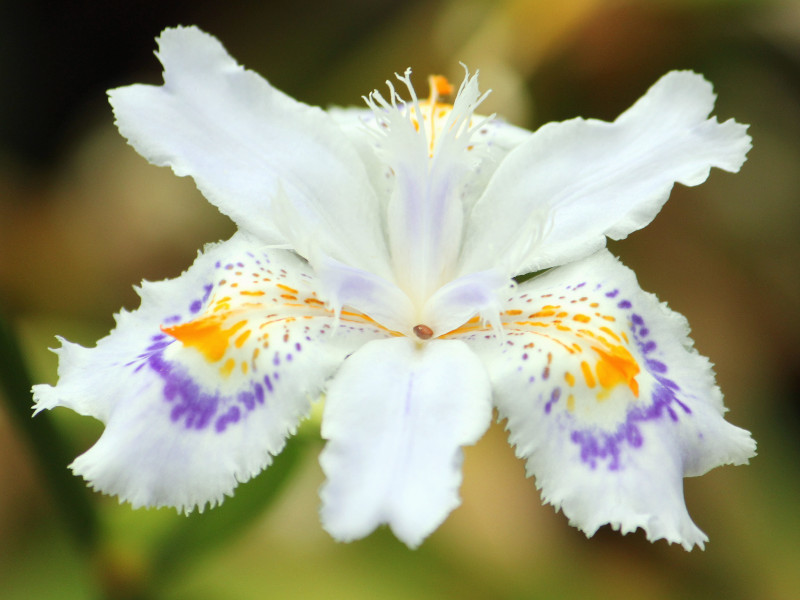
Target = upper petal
(607,400)
(242,141)
(200,386)
(555,197)
(396,416)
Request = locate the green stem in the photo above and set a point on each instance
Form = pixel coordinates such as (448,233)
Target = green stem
(47,446)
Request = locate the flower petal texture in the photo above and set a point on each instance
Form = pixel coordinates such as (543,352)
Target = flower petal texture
(374,267)
(395,418)
(607,400)
(200,386)
(243,141)
(581,180)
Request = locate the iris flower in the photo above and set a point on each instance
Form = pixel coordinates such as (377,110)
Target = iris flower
(374,265)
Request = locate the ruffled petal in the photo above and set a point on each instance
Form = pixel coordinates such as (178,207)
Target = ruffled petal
(243,142)
(201,385)
(396,416)
(607,400)
(556,196)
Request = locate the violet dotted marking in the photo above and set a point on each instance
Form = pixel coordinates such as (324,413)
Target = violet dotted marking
(249,325)
(579,347)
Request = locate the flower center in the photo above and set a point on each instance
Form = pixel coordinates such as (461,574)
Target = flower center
(433,113)
(423,332)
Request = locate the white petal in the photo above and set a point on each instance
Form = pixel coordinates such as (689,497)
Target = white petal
(366,292)
(491,139)
(431,163)
(396,416)
(200,386)
(242,140)
(458,301)
(555,197)
(608,401)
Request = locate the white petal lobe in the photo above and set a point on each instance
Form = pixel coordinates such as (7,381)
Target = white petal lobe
(243,142)
(396,416)
(589,179)
(201,385)
(607,401)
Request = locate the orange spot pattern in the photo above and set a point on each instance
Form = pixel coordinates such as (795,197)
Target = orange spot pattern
(576,337)
(244,308)
(206,334)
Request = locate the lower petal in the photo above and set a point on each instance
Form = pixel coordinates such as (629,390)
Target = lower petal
(396,416)
(201,385)
(608,401)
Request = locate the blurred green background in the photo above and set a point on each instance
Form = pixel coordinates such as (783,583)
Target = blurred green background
(83,218)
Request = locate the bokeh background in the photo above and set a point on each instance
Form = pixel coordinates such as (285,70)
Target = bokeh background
(83,218)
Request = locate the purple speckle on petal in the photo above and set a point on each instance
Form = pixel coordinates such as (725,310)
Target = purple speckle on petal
(232,416)
(649,347)
(624,304)
(555,395)
(159,342)
(248,399)
(685,408)
(597,446)
(192,405)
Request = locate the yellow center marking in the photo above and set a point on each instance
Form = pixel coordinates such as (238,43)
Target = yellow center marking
(588,375)
(616,367)
(227,368)
(205,335)
(239,342)
(571,403)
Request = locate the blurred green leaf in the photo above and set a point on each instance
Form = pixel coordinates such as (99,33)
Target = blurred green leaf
(70,495)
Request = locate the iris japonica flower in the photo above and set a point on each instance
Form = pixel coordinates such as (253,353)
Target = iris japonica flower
(374,264)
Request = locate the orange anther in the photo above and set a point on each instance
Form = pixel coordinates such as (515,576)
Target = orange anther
(439,86)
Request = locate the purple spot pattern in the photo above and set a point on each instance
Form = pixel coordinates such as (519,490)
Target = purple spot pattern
(599,447)
(193,406)
(196,407)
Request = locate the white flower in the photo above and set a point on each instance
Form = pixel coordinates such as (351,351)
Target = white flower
(374,263)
